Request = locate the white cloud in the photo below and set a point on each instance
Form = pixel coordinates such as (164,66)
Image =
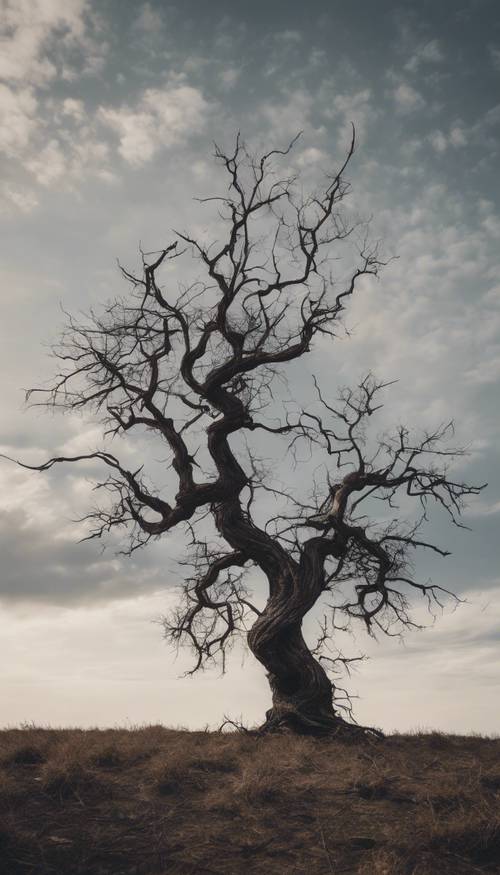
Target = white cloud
(149,19)
(491,225)
(23,200)
(486,372)
(201,169)
(17,119)
(67,159)
(293,112)
(407,98)
(230,76)
(356,108)
(39,41)
(458,136)
(49,165)
(73,108)
(52,140)
(317,58)
(409,149)
(90,153)
(438,141)
(288,37)
(429,53)
(138,132)
(495,56)
(27,32)
(161,118)
(490,119)
(83,441)
(484,508)
(310,156)
(287,115)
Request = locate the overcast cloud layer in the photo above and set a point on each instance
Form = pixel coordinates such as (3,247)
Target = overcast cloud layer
(108,111)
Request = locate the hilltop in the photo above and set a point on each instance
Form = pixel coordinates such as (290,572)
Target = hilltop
(157,800)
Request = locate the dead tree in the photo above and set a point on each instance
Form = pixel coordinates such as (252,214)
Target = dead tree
(198,367)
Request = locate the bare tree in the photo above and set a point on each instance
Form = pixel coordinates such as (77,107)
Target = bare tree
(199,368)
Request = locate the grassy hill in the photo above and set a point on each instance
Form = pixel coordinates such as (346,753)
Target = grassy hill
(156,800)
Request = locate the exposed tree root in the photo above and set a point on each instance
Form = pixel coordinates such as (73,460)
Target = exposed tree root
(294,724)
(318,726)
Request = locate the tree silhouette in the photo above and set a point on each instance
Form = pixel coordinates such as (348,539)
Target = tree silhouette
(199,367)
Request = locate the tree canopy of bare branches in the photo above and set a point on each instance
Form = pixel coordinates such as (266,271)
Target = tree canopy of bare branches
(196,366)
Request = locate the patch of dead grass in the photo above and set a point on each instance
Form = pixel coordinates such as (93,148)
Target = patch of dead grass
(152,800)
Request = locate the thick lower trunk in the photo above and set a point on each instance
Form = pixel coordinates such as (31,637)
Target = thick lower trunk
(302,694)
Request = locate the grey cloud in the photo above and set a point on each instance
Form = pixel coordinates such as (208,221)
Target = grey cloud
(37,565)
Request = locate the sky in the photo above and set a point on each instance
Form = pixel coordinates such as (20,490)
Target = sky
(108,115)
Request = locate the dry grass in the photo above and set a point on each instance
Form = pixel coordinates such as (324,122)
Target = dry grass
(156,800)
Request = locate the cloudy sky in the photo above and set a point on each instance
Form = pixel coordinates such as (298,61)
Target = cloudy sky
(108,113)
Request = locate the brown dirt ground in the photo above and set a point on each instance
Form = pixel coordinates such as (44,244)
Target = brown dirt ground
(154,800)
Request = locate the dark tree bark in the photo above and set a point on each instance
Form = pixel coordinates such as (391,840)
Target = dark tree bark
(207,361)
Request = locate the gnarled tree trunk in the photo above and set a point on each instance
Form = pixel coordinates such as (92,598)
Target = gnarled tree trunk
(302,693)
